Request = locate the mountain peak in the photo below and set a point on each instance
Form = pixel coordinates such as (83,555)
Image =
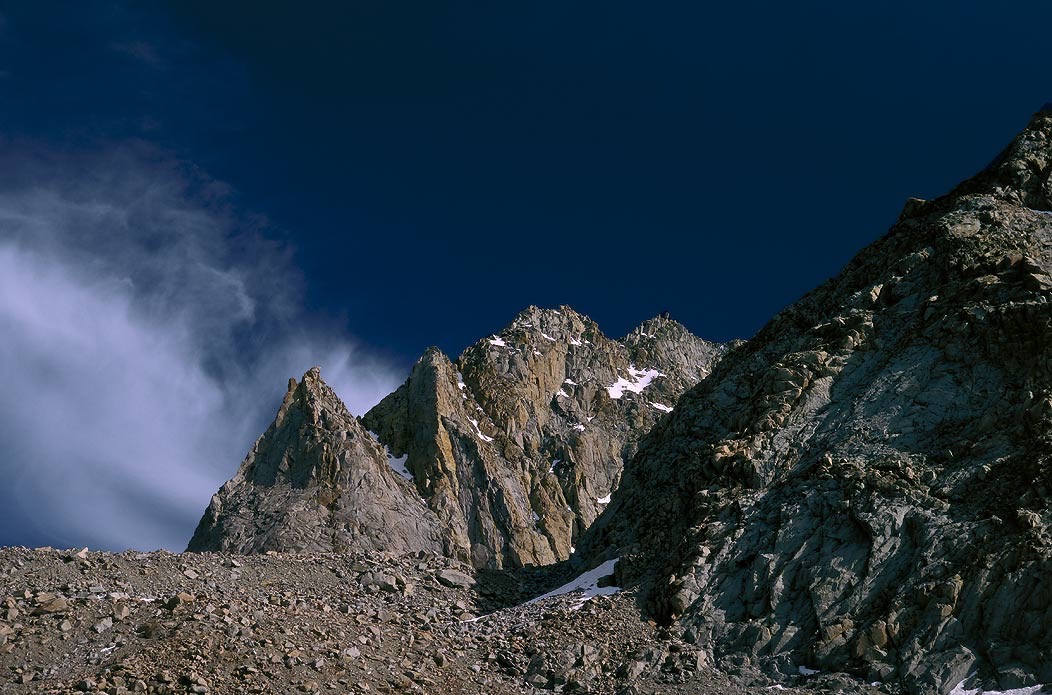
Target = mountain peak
(316,480)
(1022,173)
(543,315)
(860,485)
(661,323)
(511,450)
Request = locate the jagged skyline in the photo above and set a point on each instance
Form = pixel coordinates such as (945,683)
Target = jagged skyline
(197,203)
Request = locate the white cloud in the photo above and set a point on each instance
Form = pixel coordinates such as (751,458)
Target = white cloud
(147,331)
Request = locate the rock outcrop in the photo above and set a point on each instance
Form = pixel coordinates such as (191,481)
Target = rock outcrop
(316,481)
(866,485)
(518,445)
(501,459)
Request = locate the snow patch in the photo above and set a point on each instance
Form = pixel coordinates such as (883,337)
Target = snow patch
(587,583)
(571,382)
(547,337)
(555,462)
(661,406)
(959,689)
(579,427)
(496,340)
(804,671)
(483,437)
(397,464)
(637,381)
(462,386)
(604,500)
(563,394)
(575,341)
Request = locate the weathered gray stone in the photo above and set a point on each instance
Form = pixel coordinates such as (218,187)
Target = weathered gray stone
(864,485)
(501,459)
(519,444)
(453,578)
(316,480)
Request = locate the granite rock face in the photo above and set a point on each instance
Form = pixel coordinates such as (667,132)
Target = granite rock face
(316,481)
(518,445)
(866,485)
(500,459)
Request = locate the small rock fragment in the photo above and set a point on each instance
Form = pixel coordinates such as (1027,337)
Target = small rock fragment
(180,599)
(454,579)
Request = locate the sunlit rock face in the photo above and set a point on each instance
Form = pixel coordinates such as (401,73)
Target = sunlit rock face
(519,443)
(501,458)
(316,480)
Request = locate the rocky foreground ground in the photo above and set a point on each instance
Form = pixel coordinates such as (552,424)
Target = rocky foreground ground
(79,621)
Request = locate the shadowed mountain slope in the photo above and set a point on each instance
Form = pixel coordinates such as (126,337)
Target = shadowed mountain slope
(865,485)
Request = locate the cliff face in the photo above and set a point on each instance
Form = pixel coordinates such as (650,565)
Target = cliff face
(518,445)
(500,459)
(866,484)
(316,480)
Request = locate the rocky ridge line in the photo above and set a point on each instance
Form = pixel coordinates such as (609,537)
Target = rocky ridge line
(866,485)
(512,450)
(316,480)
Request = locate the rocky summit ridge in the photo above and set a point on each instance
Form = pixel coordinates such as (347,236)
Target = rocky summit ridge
(501,458)
(866,485)
(316,479)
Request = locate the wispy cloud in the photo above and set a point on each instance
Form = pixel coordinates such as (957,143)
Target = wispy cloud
(147,328)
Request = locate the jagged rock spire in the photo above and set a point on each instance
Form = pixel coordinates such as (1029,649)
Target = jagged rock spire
(519,443)
(513,449)
(316,480)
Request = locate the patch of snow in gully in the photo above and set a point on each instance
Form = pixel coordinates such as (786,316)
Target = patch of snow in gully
(637,381)
(479,432)
(587,584)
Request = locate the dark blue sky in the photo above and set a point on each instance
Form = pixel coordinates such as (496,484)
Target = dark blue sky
(437,166)
(201,199)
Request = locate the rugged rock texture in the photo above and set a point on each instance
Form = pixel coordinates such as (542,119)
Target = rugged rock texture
(518,445)
(316,480)
(865,485)
(501,459)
